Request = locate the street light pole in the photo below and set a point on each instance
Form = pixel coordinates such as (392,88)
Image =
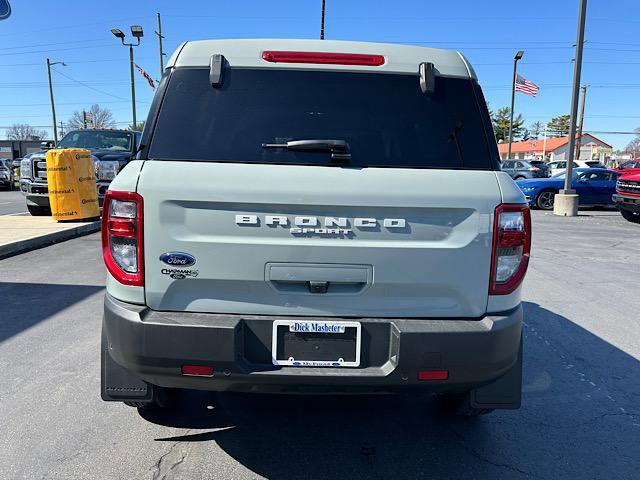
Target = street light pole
(566,202)
(53,105)
(136,32)
(322,22)
(133,88)
(577,70)
(518,56)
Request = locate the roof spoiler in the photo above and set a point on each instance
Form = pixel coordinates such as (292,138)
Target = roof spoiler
(427,72)
(216,70)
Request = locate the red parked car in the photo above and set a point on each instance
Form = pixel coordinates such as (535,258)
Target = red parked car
(630,166)
(627,196)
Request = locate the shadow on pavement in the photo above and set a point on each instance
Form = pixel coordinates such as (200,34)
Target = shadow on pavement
(577,421)
(22,305)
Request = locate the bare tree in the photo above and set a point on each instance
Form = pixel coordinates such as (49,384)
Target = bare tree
(102,118)
(24,131)
(634,145)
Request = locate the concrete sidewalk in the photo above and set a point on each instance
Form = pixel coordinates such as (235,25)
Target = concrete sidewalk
(20,234)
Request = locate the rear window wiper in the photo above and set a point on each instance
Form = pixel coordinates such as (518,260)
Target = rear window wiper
(339,149)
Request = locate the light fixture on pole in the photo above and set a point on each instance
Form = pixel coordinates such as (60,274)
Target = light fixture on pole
(137,33)
(516,59)
(53,105)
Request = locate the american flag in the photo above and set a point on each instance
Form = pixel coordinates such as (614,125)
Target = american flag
(146,76)
(525,86)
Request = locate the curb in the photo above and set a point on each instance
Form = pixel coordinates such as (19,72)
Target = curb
(23,246)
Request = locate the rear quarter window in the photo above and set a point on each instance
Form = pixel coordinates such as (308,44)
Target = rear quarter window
(385,118)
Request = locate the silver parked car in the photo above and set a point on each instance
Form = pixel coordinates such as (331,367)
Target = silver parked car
(521,169)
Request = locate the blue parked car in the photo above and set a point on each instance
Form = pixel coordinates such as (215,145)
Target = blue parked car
(595,186)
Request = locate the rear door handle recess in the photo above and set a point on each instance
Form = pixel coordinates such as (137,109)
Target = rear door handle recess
(316,278)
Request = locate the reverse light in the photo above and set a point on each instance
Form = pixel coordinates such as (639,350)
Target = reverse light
(323,58)
(122,237)
(511,248)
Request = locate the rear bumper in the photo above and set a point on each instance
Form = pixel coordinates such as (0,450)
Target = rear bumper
(626,202)
(153,346)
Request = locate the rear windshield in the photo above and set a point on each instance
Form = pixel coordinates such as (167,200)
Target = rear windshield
(385,119)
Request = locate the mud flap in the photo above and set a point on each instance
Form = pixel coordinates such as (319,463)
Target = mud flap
(117,384)
(504,393)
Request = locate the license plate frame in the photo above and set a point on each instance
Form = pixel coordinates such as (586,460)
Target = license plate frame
(335,325)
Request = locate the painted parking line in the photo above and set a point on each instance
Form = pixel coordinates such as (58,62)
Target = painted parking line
(15,214)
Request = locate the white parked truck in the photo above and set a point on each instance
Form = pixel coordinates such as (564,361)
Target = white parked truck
(315,216)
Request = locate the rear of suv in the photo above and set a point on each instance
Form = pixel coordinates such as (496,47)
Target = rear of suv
(345,227)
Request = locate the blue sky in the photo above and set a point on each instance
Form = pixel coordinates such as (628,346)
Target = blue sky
(487,32)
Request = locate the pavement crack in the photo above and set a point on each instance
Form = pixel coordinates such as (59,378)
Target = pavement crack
(476,454)
(169,461)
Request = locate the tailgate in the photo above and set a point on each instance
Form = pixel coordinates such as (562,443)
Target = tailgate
(313,240)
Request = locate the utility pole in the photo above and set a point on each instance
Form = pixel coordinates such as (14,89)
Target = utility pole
(578,140)
(160,37)
(53,105)
(322,22)
(84,119)
(61,129)
(566,202)
(518,56)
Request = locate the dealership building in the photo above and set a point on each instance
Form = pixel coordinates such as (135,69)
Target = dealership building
(556,148)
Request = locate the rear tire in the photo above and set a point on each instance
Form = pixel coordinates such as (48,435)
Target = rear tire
(632,217)
(520,177)
(545,200)
(38,211)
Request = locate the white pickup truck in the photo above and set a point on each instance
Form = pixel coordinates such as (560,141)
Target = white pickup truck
(315,216)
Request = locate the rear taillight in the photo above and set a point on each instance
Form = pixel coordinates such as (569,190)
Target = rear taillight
(323,58)
(122,240)
(534,169)
(511,247)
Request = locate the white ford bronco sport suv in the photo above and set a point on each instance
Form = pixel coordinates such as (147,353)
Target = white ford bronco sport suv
(315,216)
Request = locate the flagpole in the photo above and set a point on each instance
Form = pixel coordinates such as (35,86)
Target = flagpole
(513,98)
(544,143)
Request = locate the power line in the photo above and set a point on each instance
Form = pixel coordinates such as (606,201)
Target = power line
(50,44)
(67,103)
(54,50)
(73,62)
(88,86)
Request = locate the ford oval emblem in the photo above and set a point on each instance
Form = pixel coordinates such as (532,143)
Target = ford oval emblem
(178,259)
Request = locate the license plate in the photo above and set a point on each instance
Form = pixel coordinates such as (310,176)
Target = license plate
(316,343)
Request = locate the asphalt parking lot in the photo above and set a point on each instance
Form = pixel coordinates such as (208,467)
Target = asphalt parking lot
(12,203)
(580,416)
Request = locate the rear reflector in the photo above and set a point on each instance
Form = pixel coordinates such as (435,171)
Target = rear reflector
(197,370)
(433,374)
(323,58)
